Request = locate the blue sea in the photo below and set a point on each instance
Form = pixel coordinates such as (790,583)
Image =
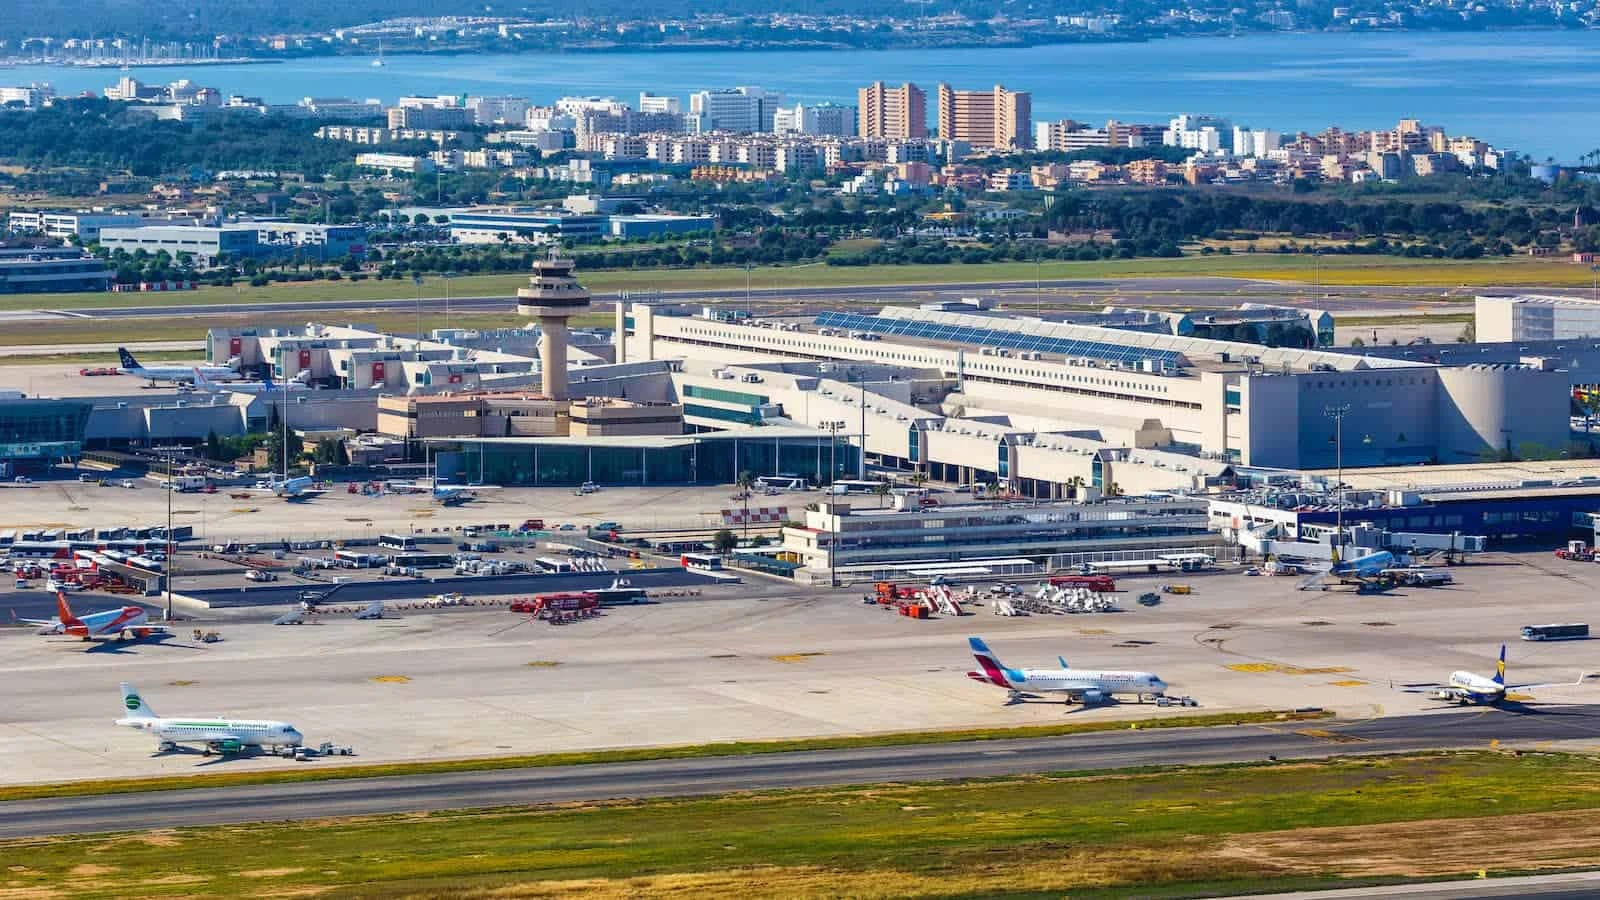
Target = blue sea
(1537,92)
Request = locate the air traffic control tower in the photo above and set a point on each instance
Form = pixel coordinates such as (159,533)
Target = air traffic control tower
(552,296)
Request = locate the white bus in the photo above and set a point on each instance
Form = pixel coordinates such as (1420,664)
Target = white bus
(851,486)
(706,562)
(1574,632)
(400,542)
(782,482)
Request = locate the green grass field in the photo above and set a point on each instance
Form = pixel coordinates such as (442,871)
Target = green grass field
(1341,271)
(687,751)
(1163,834)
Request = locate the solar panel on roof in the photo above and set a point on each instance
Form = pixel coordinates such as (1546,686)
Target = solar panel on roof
(992,337)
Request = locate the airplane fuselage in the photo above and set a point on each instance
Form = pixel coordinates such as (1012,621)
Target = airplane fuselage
(222,733)
(1468,687)
(1078,682)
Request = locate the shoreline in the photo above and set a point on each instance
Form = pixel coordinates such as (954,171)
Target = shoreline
(795,47)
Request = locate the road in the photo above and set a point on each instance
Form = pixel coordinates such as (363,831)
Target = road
(1102,750)
(1560,886)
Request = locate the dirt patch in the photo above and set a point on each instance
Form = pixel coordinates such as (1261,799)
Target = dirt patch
(88,870)
(1045,870)
(269,873)
(1418,850)
(34,892)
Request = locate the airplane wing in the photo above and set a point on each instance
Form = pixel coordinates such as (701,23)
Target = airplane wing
(1582,676)
(39,622)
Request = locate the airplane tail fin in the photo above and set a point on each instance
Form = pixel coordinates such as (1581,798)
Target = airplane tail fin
(128,362)
(134,704)
(1500,667)
(63,611)
(987,661)
(200,379)
(1063,661)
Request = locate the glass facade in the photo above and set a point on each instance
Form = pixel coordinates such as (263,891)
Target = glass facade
(42,429)
(703,460)
(724,396)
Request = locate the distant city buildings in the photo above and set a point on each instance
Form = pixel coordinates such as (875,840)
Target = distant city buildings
(815,119)
(892,112)
(740,110)
(993,118)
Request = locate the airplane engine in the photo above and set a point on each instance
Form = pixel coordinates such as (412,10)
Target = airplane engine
(1093,696)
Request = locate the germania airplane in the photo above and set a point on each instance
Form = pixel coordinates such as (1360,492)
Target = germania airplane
(218,735)
(1081,685)
(174,374)
(121,623)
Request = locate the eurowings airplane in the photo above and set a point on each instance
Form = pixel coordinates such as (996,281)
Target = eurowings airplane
(218,735)
(173,374)
(121,623)
(1470,688)
(1081,685)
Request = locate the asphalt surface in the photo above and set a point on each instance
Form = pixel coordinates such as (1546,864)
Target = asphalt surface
(1199,291)
(1560,886)
(1101,750)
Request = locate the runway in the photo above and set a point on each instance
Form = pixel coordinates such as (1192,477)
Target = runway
(1187,291)
(1102,750)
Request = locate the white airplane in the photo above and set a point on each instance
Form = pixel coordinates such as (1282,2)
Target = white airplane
(1469,688)
(373,610)
(266,386)
(1081,685)
(173,374)
(297,488)
(455,495)
(121,623)
(219,735)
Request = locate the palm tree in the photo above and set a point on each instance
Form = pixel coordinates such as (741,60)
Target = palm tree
(882,490)
(746,480)
(1073,484)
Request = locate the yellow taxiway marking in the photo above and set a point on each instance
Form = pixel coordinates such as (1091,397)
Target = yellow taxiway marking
(796,657)
(391,679)
(1334,737)
(544,664)
(1284,669)
(1348,682)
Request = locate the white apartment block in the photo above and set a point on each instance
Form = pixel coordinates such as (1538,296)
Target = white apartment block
(740,110)
(660,103)
(498,110)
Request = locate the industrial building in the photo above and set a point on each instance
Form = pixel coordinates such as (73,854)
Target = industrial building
(29,270)
(1534,317)
(842,539)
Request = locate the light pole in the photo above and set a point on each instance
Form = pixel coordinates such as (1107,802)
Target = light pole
(171,561)
(447,276)
(833,428)
(1337,414)
(417,280)
(748,267)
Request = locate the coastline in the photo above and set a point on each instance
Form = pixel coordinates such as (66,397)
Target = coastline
(752,46)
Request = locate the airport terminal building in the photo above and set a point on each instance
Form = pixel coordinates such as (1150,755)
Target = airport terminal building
(1014,399)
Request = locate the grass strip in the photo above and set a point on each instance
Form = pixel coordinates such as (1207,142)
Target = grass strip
(1194,831)
(635,754)
(1327,271)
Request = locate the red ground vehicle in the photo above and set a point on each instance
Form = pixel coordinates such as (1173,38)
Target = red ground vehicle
(1576,551)
(564,601)
(1102,583)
